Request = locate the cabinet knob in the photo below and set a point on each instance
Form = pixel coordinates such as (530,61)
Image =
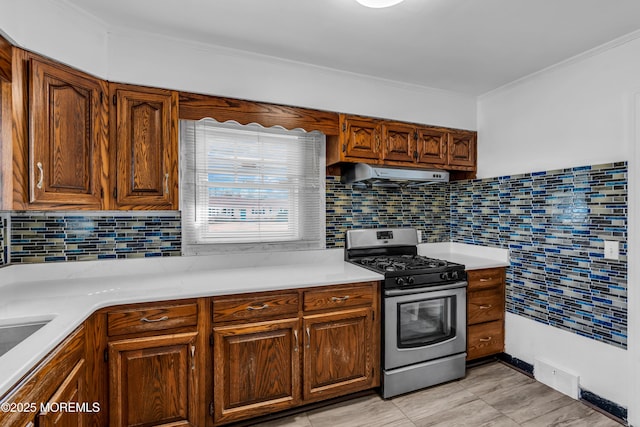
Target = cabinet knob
(166,184)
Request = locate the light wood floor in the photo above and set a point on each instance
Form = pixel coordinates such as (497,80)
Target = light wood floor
(492,395)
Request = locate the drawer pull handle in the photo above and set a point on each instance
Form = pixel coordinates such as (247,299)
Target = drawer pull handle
(261,307)
(39,184)
(487,279)
(295,334)
(485,307)
(487,339)
(340,299)
(308,338)
(162,319)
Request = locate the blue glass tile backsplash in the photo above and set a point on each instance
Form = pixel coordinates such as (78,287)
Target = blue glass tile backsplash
(554,224)
(45,237)
(425,208)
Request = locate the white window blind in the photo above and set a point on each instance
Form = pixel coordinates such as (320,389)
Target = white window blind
(245,186)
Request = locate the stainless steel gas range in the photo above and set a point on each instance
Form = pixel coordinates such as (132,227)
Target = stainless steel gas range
(424,305)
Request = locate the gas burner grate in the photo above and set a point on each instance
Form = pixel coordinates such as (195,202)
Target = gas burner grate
(401,262)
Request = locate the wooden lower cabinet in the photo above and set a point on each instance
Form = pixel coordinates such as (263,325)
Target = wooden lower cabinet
(485,312)
(256,369)
(59,378)
(153,381)
(71,390)
(151,364)
(329,347)
(337,354)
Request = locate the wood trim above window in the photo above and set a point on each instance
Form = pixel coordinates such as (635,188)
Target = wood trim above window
(195,107)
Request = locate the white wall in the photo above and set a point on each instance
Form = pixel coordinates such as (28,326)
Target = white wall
(184,65)
(574,114)
(56,29)
(578,113)
(603,368)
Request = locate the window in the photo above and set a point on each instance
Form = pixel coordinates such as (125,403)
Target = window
(246,187)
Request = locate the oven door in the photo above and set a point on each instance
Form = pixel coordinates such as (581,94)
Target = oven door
(425,324)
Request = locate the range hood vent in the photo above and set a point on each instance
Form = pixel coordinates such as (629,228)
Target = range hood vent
(363,175)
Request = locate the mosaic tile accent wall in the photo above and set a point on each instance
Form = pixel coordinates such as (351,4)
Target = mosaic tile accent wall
(554,223)
(45,237)
(425,208)
(4,238)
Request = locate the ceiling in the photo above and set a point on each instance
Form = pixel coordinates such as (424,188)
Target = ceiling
(466,46)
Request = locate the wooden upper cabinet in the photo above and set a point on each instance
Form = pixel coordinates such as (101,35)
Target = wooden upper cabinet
(398,141)
(390,143)
(461,148)
(144,132)
(5,60)
(65,136)
(431,146)
(360,138)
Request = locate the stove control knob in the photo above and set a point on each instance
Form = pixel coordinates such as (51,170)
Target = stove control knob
(454,275)
(445,276)
(400,281)
(411,280)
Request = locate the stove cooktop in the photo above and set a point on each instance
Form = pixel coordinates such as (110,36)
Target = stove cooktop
(408,263)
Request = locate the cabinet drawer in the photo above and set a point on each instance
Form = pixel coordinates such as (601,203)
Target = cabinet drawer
(255,307)
(484,278)
(151,318)
(485,305)
(485,339)
(338,297)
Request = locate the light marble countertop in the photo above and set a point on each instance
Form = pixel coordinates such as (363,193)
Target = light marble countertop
(472,256)
(68,293)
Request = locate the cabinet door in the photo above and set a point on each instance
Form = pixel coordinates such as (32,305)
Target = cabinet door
(432,146)
(398,141)
(153,381)
(360,138)
(65,136)
(337,353)
(71,391)
(461,149)
(144,123)
(256,369)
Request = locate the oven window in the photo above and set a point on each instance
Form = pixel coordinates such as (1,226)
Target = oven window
(426,322)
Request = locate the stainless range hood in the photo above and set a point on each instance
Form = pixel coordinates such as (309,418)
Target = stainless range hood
(363,175)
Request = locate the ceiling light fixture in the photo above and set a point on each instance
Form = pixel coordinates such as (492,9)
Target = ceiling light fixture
(378,4)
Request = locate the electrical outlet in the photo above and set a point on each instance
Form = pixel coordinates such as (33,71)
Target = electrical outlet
(419,236)
(611,249)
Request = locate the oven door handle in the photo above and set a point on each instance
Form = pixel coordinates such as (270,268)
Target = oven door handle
(422,289)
